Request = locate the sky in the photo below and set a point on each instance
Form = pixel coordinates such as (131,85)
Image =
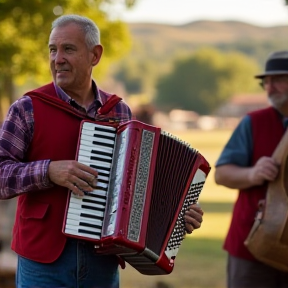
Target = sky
(176,12)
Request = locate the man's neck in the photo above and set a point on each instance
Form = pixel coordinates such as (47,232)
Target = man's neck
(83,97)
(84,100)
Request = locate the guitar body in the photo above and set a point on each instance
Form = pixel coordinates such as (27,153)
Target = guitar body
(268,238)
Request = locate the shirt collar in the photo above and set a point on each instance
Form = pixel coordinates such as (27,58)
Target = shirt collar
(65,97)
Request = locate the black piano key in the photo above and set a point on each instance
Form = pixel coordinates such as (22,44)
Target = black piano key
(104,137)
(93,201)
(97,196)
(104,129)
(99,167)
(101,153)
(103,144)
(91,216)
(84,224)
(89,232)
(100,159)
(93,208)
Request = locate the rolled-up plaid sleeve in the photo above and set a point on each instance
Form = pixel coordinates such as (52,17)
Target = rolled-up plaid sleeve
(16,175)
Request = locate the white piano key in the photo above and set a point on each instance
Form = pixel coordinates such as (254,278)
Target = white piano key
(87,159)
(103,170)
(90,206)
(89,198)
(76,233)
(103,178)
(76,211)
(77,228)
(76,219)
(96,134)
(91,139)
(77,222)
(98,192)
(92,126)
(101,184)
(87,145)
(89,153)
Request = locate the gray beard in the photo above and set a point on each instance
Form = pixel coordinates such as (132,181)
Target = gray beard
(278,102)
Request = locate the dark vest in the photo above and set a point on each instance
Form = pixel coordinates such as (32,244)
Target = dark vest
(267,130)
(37,233)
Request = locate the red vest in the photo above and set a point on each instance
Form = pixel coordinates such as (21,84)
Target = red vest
(267,130)
(37,232)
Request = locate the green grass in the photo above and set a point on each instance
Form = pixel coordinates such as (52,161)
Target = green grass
(201,261)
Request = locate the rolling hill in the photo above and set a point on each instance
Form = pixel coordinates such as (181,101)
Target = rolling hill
(159,39)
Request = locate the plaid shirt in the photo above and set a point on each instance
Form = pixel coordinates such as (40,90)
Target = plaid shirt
(16,175)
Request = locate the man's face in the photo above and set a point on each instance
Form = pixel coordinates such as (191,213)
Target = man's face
(71,61)
(276,87)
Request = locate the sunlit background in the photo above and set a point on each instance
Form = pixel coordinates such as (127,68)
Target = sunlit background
(186,66)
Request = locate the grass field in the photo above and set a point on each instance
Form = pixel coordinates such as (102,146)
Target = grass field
(200,262)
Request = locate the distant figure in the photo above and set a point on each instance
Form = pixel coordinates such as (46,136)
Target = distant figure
(246,164)
(144,113)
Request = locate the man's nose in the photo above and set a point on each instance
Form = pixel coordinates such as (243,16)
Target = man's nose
(59,57)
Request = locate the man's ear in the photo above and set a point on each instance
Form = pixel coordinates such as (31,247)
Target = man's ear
(97,53)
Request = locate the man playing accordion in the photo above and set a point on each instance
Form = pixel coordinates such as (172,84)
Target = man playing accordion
(38,142)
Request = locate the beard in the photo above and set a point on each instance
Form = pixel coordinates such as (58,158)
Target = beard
(278,100)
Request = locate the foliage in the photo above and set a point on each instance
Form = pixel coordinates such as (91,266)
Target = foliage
(203,81)
(161,44)
(24,32)
(137,75)
(258,50)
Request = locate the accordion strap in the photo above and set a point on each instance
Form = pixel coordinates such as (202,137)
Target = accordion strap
(109,105)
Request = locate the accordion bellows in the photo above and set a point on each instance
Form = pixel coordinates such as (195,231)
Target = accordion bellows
(147,179)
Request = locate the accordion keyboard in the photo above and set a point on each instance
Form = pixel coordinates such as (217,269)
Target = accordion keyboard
(85,214)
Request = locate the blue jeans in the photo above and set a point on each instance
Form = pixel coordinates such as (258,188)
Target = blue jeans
(77,267)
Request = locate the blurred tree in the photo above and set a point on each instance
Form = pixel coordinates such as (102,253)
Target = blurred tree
(24,33)
(139,70)
(203,81)
(138,76)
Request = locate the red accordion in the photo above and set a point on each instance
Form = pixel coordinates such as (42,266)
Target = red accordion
(147,178)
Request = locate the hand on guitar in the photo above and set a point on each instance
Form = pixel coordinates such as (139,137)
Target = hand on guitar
(265,169)
(74,175)
(193,218)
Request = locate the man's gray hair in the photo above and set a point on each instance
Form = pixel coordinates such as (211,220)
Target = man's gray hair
(92,33)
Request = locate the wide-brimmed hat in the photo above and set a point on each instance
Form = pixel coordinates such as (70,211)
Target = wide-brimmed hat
(276,64)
